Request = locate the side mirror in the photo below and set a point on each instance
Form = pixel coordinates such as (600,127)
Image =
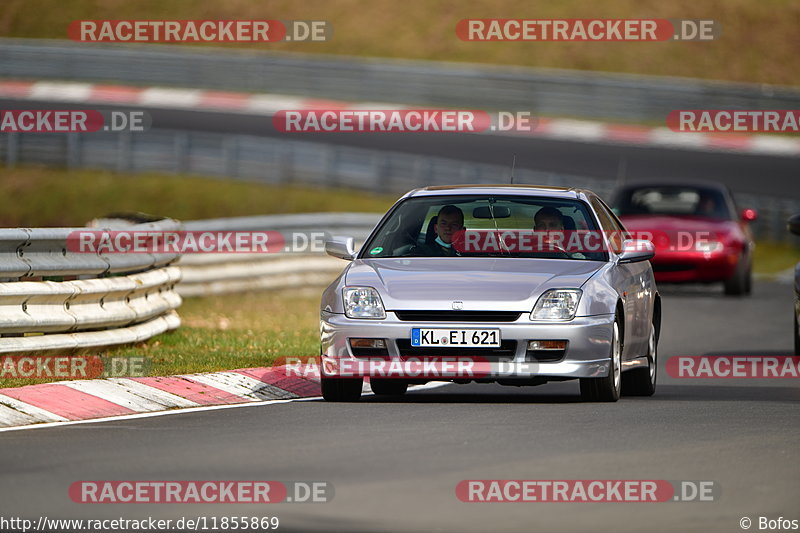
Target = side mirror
(636,250)
(341,247)
(794,224)
(749,215)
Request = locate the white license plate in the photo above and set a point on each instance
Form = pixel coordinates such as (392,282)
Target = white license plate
(459,338)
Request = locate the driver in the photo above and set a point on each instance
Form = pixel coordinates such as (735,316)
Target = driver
(450,221)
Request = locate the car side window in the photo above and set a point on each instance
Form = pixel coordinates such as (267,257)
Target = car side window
(609,224)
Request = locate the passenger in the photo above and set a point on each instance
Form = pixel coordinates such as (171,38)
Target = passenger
(549,219)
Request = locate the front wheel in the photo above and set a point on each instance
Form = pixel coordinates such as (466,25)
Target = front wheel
(642,381)
(742,280)
(606,389)
(341,389)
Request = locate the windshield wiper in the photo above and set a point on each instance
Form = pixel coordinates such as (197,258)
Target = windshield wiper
(494,221)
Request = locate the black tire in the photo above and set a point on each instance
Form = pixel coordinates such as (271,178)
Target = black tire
(742,280)
(341,389)
(642,381)
(388,387)
(796,334)
(608,388)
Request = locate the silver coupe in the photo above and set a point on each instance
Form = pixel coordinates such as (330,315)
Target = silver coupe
(510,284)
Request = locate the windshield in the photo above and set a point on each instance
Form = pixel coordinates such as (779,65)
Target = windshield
(483,225)
(672,201)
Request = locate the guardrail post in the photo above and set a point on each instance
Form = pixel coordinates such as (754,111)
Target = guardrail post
(124,142)
(230,151)
(287,164)
(181,150)
(12,149)
(73,150)
(332,166)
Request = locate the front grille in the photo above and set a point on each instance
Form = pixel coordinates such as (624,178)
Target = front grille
(458,316)
(506,350)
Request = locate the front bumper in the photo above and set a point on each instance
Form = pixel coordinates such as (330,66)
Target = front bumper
(680,267)
(586,355)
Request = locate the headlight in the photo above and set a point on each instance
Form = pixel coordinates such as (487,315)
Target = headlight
(363,302)
(557,304)
(708,246)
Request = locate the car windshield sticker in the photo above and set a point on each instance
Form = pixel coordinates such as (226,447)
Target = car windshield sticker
(376,251)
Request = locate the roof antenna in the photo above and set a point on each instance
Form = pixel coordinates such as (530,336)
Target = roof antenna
(513,164)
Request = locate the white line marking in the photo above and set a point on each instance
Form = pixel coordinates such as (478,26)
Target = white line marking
(431,385)
(12,417)
(667,137)
(154,394)
(161,97)
(577,129)
(111,392)
(241,385)
(269,104)
(62,92)
(156,413)
(772,145)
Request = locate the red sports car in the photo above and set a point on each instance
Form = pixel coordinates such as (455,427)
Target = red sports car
(698,233)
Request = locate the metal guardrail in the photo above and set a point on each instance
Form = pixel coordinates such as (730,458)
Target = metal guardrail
(285,161)
(37,252)
(110,309)
(113,298)
(205,274)
(541,91)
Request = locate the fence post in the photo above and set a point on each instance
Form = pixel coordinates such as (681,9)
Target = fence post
(124,152)
(73,150)
(12,149)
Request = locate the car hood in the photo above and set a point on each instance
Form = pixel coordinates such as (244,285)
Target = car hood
(497,284)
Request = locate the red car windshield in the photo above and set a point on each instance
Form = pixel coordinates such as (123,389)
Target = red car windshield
(672,201)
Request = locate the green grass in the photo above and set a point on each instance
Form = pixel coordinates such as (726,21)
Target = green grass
(758,41)
(226,332)
(37,196)
(772,258)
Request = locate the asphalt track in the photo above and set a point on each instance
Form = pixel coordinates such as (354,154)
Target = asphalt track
(747,173)
(395,463)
